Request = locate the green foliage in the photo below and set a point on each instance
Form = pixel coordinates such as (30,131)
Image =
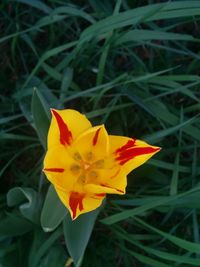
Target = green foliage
(133,65)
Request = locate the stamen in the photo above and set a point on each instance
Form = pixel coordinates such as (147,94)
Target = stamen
(86,166)
(77,156)
(75,169)
(81,179)
(89,156)
(93,175)
(99,164)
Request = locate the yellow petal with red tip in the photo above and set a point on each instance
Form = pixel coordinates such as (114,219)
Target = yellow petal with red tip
(130,153)
(78,202)
(104,188)
(84,163)
(115,178)
(66,125)
(93,144)
(57,164)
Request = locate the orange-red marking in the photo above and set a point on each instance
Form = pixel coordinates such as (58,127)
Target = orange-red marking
(76,202)
(105,185)
(114,175)
(100,195)
(97,196)
(95,138)
(65,133)
(128,145)
(131,153)
(54,169)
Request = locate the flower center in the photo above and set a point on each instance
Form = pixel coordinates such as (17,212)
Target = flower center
(86,170)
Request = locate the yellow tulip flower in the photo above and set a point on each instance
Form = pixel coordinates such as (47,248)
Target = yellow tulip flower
(84,163)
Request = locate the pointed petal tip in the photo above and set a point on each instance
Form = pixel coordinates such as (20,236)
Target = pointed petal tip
(65,133)
(73,217)
(157,149)
(53,111)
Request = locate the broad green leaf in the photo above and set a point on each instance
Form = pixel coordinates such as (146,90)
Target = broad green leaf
(77,234)
(53,211)
(13,224)
(41,116)
(28,200)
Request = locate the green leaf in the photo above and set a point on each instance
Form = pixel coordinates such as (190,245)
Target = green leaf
(147,206)
(29,202)
(171,130)
(73,11)
(187,245)
(141,14)
(44,248)
(77,234)
(141,35)
(53,211)
(36,4)
(41,116)
(13,224)
(156,252)
(66,81)
(148,260)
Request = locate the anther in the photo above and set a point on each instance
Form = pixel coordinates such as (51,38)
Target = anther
(81,179)
(89,156)
(99,164)
(93,175)
(75,169)
(77,156)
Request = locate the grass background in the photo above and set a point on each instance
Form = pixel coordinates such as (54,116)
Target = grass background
(133,65)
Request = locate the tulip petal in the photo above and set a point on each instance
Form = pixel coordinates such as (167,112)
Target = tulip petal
(66,125)
(103,189)
(57,168)
(130,153)
(115,179)
(78,202)
(93,144)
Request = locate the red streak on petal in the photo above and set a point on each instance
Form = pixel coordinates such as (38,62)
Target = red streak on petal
(128,145)
(54,169)
(105,185)
(114,175)
(98,196)
(94,141)
(129,154)
(76,202)
(65,133)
